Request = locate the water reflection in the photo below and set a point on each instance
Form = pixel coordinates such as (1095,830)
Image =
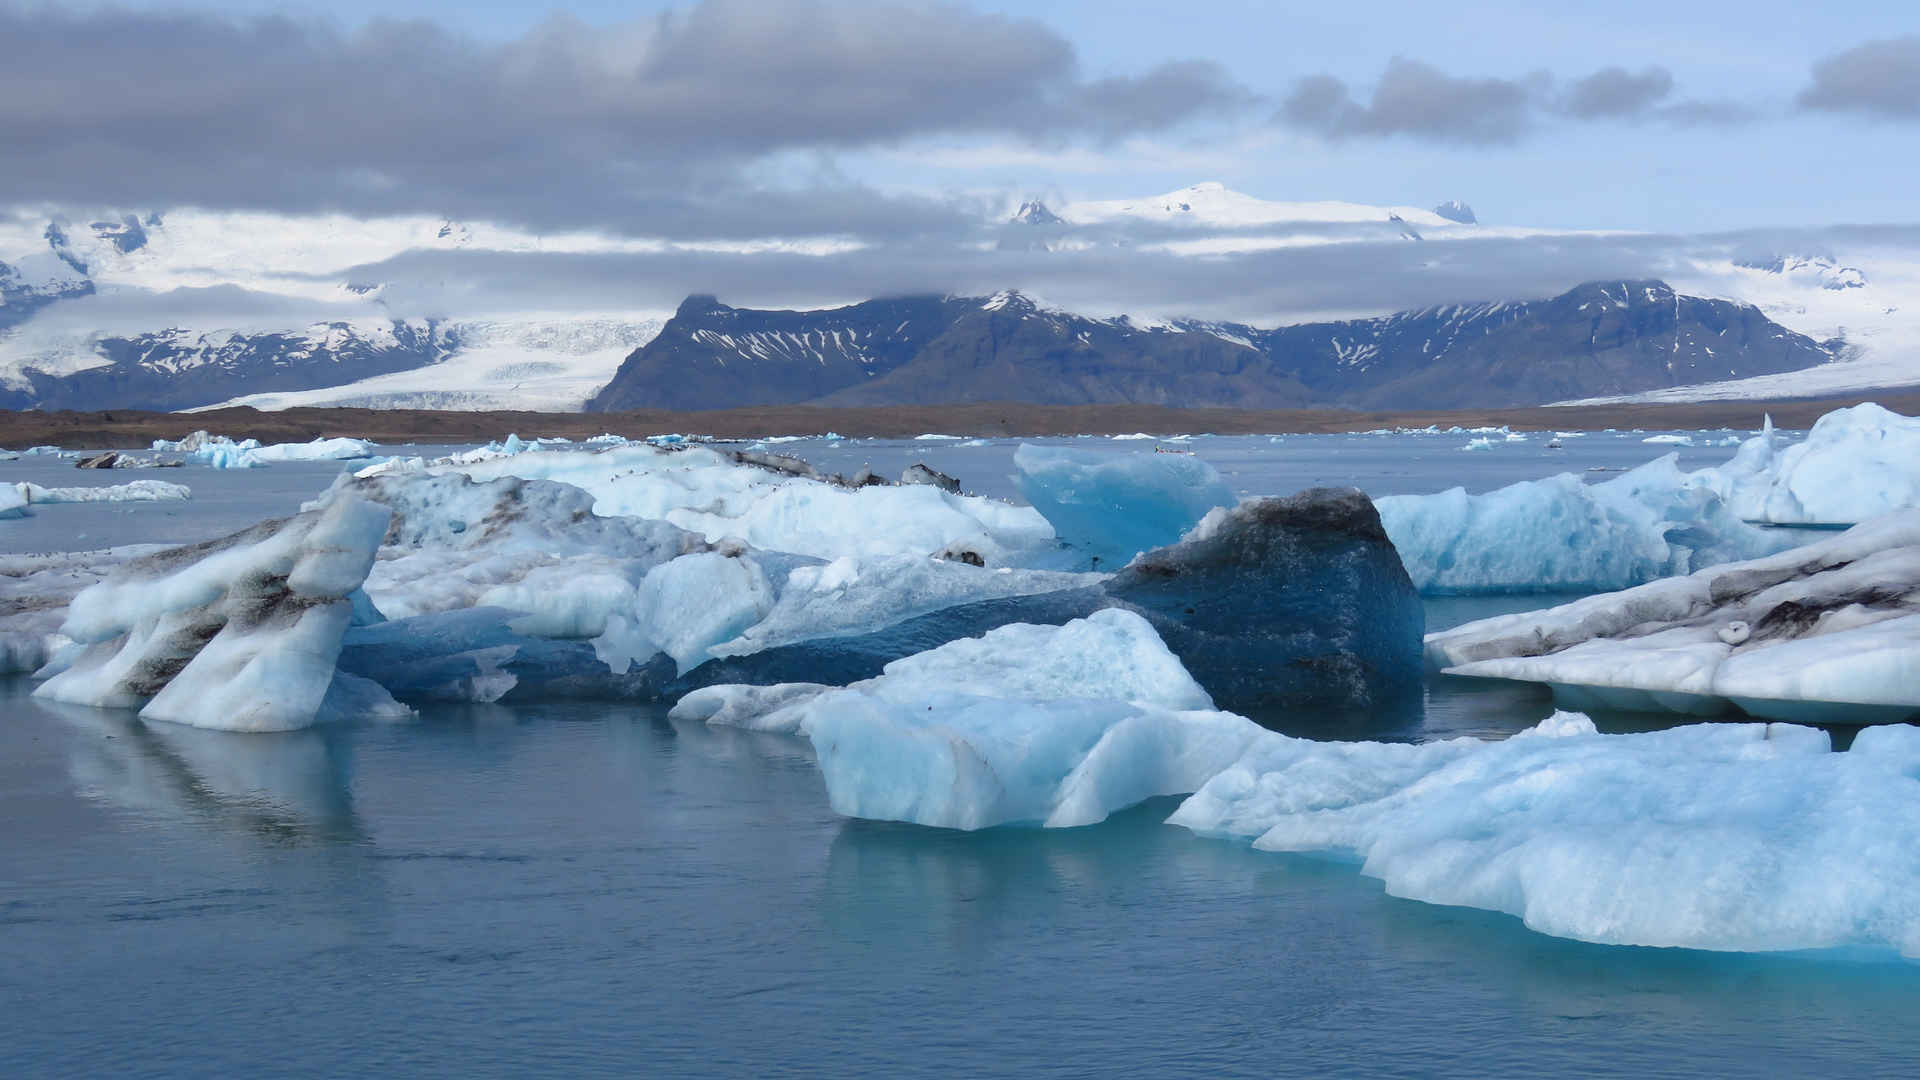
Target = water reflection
(287,788)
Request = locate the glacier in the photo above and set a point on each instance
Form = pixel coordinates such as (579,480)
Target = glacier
(1563,534)
(1829,632)
(1111,507)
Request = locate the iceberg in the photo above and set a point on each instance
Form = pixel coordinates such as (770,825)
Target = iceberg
(1285,603)
(135,491)
(1562,534)
(1045,725)
(13,502)
(35,591)
(1273,603)
(1829,632)
(221,452)
(239,633)
(1111,507)
(778,504)
(1749,837)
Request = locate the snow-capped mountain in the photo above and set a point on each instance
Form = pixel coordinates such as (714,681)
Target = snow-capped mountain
(180,369)
(192,308)
(1214,205)
(1816,270)
(1604,337)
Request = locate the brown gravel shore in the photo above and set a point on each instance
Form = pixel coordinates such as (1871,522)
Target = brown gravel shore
(119,429)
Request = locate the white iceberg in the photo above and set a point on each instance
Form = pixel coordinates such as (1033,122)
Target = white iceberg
(240,633)
(1828,632)
(1731,837)
(1049,725)
(35,591)
(13,502)
(221,452)
(1110,506)
(778,505)
(135,491)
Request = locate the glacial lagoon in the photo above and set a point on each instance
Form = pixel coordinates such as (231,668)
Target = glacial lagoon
(496,890)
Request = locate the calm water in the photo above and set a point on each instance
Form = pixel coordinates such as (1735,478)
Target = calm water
(591,889)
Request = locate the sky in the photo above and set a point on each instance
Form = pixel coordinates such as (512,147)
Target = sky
(902,123)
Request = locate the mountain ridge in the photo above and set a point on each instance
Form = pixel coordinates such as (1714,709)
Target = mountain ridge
(1597,338)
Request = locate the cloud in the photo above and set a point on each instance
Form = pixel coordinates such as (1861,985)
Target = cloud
(1420,101)
(1413,98)
(1615,91)
(569,125)
(1881,78)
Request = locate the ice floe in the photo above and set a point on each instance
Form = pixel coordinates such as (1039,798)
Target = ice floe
(221,452)
(1561,533)
(1750,837)
(240,633)
(775,504)
(1827,632)
(134,491)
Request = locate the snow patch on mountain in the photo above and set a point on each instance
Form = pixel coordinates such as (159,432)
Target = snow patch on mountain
(1214,205)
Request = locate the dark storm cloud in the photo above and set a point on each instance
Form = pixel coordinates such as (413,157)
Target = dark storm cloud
(1881,78)
(1420,101)
(570,125)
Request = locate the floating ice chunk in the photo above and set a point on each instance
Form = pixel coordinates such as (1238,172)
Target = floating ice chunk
(1730,837)
(1828,632)
(1113,506)
(1855,464)
(135,491)
(239,633)
(780,504)
(1657,521)
(220,452)
(35,591)
(1296,602)
(1669,440)
(957,762)
(1562,533)
(779,707)
(1285,602)
(1478,444)
(13,503)
(1058,726)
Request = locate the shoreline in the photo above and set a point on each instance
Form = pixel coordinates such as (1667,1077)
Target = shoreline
(128,429)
